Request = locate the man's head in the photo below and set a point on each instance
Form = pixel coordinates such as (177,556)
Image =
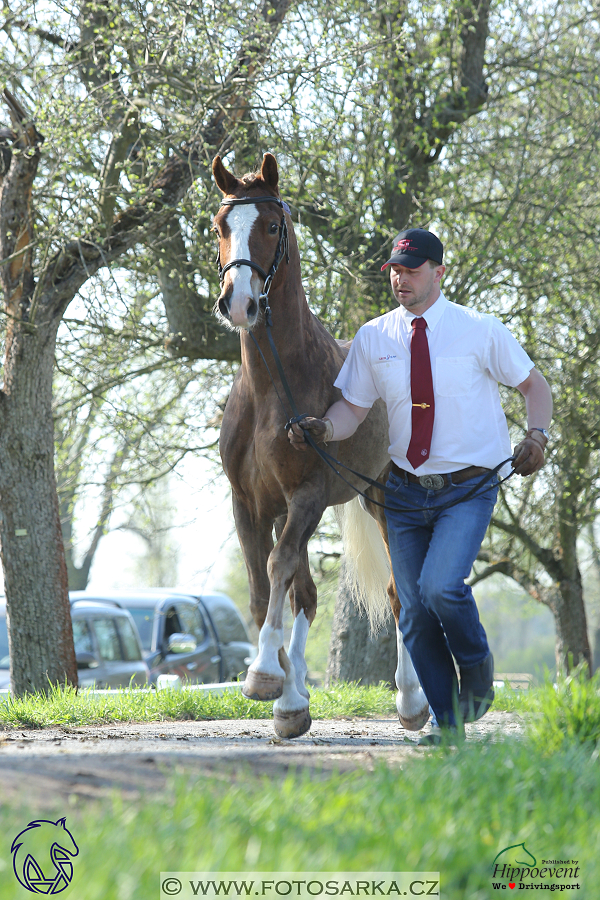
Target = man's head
(416,269)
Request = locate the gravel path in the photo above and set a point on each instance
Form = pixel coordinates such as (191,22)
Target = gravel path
(49,766)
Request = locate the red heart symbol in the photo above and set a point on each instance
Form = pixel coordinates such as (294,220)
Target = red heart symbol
(511,886)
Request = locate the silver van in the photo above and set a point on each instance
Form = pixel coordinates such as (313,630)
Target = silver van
(107,646)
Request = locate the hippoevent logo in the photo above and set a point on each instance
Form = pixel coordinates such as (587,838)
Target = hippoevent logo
(42,856)
(516,868)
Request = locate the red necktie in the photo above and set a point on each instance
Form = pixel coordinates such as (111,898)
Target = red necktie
(421,389)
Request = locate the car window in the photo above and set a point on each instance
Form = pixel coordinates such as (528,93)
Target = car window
(129,641)
(144,621)
(4,660)
(172,623)
(228,623)
(82,637)
(108,639)
(191,621)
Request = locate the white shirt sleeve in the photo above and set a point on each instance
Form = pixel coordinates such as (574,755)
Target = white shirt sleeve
(355,378)
(506,361)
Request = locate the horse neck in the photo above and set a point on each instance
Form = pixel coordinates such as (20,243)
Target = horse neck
(293,324)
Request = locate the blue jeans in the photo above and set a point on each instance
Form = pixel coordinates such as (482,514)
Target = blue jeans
(432,554)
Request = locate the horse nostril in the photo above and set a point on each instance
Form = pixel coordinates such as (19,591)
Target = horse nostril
(223,305)
(252,309)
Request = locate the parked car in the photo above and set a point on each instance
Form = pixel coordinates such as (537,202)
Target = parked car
(201,638)
(107,646)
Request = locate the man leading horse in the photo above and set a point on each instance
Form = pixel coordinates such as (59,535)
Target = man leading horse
(437,366)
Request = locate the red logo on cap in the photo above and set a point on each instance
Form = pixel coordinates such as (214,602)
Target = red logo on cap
(405,245)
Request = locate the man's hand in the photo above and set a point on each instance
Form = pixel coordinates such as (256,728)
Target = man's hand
(320,429)
(529,454)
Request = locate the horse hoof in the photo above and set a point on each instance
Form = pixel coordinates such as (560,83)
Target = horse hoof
(260,686)
(291,724)
(414,723)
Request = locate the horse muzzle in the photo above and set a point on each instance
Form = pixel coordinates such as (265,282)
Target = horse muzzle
(240,309)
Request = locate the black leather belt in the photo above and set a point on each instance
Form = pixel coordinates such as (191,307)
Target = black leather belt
(437,482)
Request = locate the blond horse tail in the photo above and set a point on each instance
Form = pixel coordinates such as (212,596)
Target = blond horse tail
(367,565)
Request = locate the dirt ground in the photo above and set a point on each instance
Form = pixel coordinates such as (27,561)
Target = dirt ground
(54,765)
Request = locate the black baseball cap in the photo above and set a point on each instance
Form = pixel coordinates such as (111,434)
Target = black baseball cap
(414,247)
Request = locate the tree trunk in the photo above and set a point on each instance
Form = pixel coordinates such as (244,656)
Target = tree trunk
(572,643)
(33,561)
(35,574)
(194,332)
(354,654)
(596,659)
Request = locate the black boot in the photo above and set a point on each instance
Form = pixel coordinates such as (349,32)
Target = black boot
(476,689)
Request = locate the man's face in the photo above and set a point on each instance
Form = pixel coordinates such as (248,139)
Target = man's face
(416,289)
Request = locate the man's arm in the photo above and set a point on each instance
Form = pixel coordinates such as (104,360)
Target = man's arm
(529,454)
(339,422)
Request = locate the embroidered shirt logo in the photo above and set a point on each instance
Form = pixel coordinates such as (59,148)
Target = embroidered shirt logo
(389,356)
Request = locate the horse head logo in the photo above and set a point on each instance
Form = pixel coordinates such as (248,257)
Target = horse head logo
(517,854)
(42,856)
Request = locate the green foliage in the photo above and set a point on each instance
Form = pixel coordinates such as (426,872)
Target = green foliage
(567,713)
(69,707)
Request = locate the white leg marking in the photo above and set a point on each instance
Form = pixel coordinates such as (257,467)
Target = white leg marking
(410,699)
(296,652)
(240,220)
(270,640)
(291,700)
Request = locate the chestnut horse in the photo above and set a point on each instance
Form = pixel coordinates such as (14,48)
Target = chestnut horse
(273,486)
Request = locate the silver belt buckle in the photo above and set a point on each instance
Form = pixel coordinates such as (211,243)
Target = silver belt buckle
(432,482)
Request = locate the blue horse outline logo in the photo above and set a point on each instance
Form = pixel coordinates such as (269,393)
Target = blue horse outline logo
(42,856)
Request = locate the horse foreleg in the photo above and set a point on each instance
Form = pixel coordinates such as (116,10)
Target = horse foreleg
(303,600)
(291,711)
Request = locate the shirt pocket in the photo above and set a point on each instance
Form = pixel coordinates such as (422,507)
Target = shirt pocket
(391,379)
(454,375)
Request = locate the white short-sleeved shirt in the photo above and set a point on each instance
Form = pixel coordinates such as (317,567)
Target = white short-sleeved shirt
(470,353)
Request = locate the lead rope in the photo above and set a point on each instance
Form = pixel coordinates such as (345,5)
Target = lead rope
(332,462)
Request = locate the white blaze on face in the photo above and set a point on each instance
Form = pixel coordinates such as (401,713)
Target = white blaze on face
(240,220)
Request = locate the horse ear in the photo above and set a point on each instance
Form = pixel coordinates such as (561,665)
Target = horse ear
(226,182)
(269,172)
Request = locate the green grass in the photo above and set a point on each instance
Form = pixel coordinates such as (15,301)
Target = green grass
(69,707)
(451,812)
(560,714)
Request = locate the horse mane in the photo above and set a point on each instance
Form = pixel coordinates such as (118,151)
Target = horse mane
(255,180)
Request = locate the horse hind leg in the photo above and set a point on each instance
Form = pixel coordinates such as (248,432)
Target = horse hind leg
(411,702)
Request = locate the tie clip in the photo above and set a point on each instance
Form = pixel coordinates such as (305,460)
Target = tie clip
(422,405)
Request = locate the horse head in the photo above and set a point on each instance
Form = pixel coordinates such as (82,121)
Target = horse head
(251,236)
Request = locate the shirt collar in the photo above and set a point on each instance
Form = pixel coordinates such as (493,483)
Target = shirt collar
(432,316)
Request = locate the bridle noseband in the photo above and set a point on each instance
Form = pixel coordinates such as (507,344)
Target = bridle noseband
(283,248)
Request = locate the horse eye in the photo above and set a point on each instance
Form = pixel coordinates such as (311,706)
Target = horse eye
(216,231)
(274,228)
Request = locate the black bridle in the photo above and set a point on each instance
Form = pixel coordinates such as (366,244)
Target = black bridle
(296,418)
(282,249)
